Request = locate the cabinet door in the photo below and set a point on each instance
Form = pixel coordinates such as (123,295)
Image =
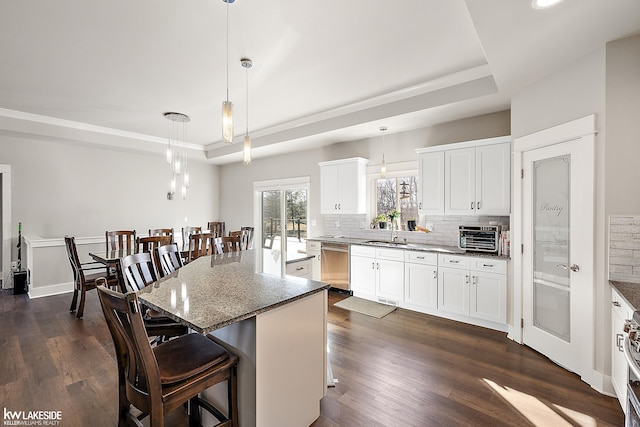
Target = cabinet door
(390,283)
(329,189)
(363,277)
(493,170)
(421,285)
(619,369)
(460,181)
(431,185)
(347,188)
(488,296)
(453,290)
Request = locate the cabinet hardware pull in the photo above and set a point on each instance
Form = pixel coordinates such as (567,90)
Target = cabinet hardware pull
(619,338)
(474,280)
(466,279)
(435,274)
(420,205)
(373,265)
(478,205)
(339,206)
(454,261)
(615,303)
(487,265)
(299,268)
(335,207)
(420,257)
(472,205)
(377,266)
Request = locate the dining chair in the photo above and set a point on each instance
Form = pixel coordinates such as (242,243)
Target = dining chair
(186,234)
(231,243)
(139,271)
(249,236)
(201,244)
(120,240)
(157,380)
(84,276)
(162,232)
(242,236)
(216,227)
(149,244)
(169,259)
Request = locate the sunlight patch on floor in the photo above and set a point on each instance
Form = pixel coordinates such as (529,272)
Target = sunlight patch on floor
(538,412)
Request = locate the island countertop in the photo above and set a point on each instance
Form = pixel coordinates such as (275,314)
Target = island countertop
(215,291)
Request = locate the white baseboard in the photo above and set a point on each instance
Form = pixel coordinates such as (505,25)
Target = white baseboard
(45,291)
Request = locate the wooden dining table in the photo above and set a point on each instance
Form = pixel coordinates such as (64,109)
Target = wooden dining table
(276,325)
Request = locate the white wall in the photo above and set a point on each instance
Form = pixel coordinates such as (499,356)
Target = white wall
(59,188)
(236,205)
(576,91)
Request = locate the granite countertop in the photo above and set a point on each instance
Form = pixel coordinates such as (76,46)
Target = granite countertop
(629,291)
(218,290)
(409,246)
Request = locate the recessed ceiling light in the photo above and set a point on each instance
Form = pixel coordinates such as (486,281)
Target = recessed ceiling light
(543,4)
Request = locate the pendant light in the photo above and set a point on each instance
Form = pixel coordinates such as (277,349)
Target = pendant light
(177,152)
(247,63)
(227,106)
(383,164)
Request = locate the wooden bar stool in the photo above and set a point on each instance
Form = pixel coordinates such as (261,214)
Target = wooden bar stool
(157,380)
(169,259)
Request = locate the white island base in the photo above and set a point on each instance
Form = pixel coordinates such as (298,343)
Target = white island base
(282,374)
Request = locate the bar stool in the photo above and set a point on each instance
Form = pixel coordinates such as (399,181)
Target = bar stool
(157,380)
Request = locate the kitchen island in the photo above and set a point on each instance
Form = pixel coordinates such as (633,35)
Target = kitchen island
(277,326)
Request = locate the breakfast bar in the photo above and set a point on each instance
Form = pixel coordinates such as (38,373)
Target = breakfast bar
(276,325)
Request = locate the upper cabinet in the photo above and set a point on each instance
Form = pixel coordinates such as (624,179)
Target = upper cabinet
(343,186)
(469,178)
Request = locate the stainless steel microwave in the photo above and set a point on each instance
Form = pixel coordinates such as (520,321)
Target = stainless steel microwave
(479,238)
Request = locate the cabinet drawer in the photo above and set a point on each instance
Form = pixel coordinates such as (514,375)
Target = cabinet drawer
(619,305)
(489,265)
(453,261)
(391,254)
(300,268)
(418,257)
(368,251)
(313,248)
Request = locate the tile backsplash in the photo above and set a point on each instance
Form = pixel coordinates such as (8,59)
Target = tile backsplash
(444,232)
(624,248)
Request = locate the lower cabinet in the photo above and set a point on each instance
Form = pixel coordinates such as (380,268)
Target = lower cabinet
(377,274)
(464,288)
(420,281)
(475,287)
(620,311)
(300,268)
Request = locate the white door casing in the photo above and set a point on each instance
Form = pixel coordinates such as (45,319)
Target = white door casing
(574,144)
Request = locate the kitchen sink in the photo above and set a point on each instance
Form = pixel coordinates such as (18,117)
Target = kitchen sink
(413,245)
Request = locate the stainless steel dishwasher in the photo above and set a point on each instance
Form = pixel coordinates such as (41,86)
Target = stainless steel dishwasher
(334,263)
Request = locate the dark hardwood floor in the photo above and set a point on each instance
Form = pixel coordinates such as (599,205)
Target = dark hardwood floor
(407,369)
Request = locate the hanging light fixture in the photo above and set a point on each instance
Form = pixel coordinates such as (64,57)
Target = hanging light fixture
(247,63)
(177,152)
(227,106)
(383,164)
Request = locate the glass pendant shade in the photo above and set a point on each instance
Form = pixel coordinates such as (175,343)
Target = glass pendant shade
(169,154)
(227,122)
(383,168)
(247,149)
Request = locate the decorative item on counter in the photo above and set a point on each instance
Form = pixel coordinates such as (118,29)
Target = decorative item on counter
(504,247)
(411,224)
(393,216)
(425,230)
(381,220)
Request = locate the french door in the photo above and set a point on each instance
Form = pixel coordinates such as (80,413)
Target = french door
(281,216)
(558,252)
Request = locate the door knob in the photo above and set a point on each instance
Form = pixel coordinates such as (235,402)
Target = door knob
(573,267)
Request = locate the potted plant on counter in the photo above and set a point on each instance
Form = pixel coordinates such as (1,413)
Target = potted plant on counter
(411,224)
(382,221)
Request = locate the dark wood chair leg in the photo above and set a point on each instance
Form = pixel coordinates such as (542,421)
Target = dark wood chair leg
(80,311)
(74,300)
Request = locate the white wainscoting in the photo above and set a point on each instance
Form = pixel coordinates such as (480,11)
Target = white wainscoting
(48,265)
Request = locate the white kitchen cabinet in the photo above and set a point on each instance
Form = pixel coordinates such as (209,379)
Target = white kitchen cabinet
(620,312)
(477,180)
(363,272)
(300,268)
(431,183)
(377,274)
(343,186)
(420,281)
(314,249)
(474,287)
